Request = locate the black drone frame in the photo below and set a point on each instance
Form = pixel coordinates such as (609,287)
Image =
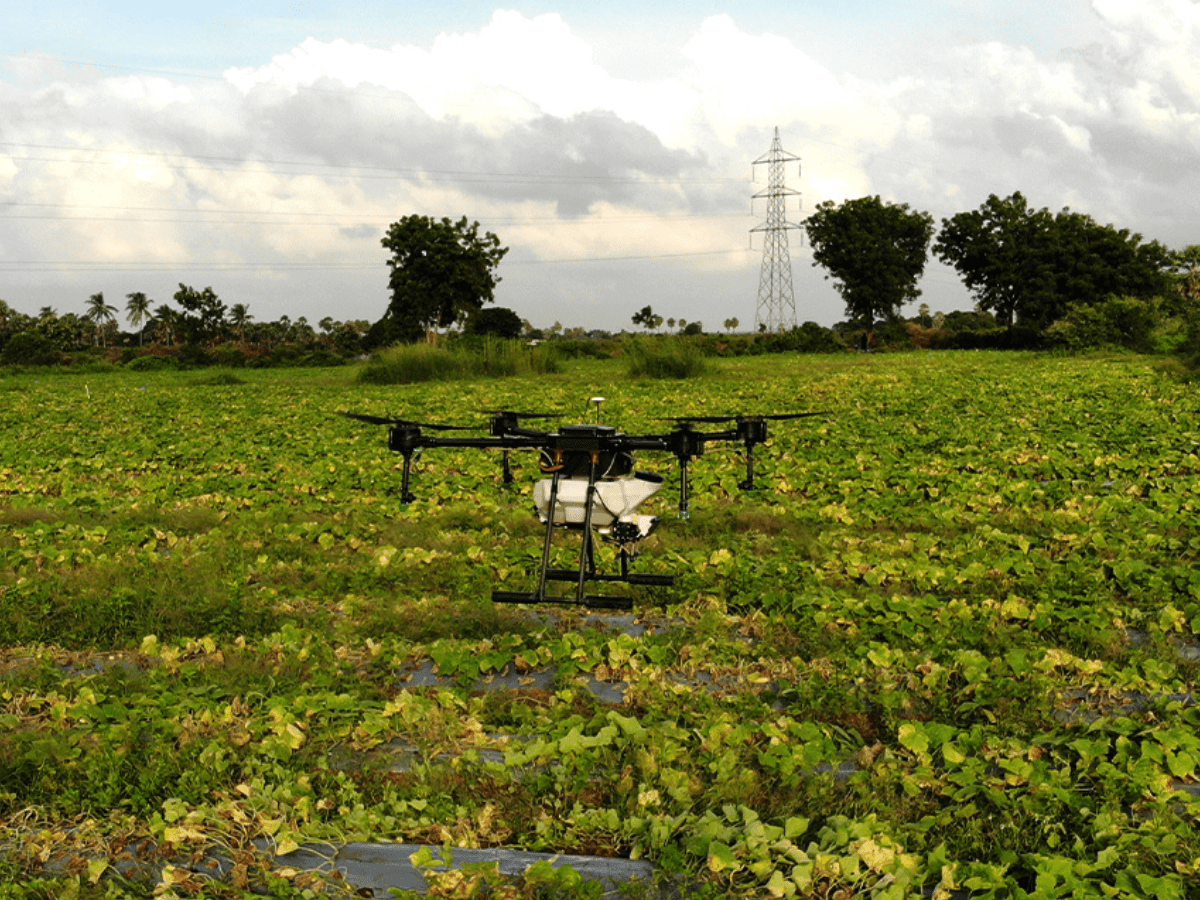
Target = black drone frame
(579,448)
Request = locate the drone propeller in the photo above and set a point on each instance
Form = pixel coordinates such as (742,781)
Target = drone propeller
(508,421)
(770,417)
(516,414)
(384,420)
(687,443)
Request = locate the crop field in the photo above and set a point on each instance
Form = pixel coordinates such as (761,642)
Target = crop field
(948,649)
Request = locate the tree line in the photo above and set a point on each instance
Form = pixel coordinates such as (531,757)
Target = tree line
(1036,276)
(1027,268)
(201,328)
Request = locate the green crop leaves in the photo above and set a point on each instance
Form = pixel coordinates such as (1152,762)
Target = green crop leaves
(949,644)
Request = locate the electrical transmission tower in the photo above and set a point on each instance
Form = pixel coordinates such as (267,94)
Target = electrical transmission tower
(776,299)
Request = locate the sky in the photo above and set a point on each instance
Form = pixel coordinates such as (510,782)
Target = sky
(263,152)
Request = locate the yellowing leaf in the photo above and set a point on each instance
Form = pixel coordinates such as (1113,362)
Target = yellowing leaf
(720,858)
(778,886)
(178,834)
(875,856)
(95,869)
(913,737)
(719,556)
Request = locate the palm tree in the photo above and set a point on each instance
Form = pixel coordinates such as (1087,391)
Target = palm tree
(100,313)
(166,322)
(239,315)
(137,312)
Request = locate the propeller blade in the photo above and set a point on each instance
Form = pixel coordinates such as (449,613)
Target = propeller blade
(773,417)
(779,417)
(384,420)
(515,414)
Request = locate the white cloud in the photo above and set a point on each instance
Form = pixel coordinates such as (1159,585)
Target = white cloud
(517,124)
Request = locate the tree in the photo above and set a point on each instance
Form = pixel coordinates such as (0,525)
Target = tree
(100,314)
(164,325)
(441,271)
(137,312)
(239,318)
(1029,266)
(202,316)
(647,318)
(731,324)
(1185,273)
(874,251)
(495,321)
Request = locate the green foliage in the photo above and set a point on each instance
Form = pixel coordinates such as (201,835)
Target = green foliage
(807,338)
(441,271)
(647,318)
(1030,266)
(495,322)
(874,251)
(152,363)
(669,357)
(202,316)
(29,349)
(1126,322)
(946,646)
(490,358)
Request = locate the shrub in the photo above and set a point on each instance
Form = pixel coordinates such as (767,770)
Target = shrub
(229,355)
(410,363)
(664,357)
(30,349)
(807,338)
(1127,322)
(152,363)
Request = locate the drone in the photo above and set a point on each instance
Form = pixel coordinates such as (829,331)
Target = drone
(590,485)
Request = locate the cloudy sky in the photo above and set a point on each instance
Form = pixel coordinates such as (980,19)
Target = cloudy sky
(609,145)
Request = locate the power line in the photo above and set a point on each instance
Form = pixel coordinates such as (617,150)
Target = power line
(339,170)
(206,216)
(42,265)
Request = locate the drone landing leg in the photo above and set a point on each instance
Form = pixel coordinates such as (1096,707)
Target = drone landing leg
(683,489)
(545,567)
(406,496)
(748,484)
(586,554)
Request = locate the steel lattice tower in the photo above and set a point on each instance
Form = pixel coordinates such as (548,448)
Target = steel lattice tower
(776,300)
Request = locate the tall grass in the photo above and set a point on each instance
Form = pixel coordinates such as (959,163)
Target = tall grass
(666,357)
(410,363)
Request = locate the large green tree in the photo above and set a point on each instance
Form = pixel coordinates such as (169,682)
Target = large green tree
(441,271)
(496,321)
(874,251)
(202,316)
(1027,265)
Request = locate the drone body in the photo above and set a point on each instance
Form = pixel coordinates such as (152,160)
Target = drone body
(590,486)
